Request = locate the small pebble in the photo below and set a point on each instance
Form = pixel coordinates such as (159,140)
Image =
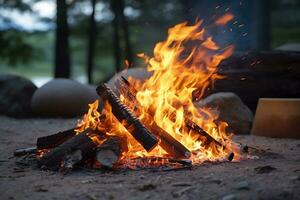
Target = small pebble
(295,178)
(229,197)
(243,185)
(142,177)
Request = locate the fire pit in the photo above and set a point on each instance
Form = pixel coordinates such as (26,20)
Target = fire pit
(152,122)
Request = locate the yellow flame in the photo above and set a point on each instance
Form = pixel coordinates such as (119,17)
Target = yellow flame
(183,66)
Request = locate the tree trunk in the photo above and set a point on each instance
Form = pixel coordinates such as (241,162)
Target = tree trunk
(128,48)
(116,35)
(263,25)
(62,54)
(91,43)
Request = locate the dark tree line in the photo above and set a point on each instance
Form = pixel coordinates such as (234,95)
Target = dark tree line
(255,14)
(62,49)
(91,43)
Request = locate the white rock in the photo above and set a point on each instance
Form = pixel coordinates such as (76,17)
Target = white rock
(231,109)
(62,98)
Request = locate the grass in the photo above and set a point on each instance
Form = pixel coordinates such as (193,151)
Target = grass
(282,35)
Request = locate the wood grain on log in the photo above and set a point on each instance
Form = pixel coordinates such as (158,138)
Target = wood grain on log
(174,148)
(80,144)
(110,151)
(51,141)
(168,143)
(132,124)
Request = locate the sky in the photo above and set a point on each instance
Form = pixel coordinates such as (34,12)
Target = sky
(47,9)
(30,21)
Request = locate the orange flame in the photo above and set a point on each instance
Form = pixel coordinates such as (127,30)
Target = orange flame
(183,65)
(224,19)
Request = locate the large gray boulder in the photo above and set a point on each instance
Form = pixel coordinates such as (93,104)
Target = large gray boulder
(289,47)
(231,109)
(15,95)
(62,98)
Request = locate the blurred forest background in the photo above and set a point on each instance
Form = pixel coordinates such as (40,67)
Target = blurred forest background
(89,40)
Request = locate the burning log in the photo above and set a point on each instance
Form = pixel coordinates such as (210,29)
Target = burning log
(52,141)
(132,124)
(130,93)
(193,126)
(110,151)
(77,149)
(167,142)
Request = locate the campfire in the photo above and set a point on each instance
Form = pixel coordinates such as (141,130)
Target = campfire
(152,122)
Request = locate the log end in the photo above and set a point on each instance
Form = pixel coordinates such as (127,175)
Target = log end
(107,158)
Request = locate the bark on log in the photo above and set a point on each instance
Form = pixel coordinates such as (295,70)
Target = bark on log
(52,141)
(132,124)
(167,141)
(110,151)
(77,149)
(174,148)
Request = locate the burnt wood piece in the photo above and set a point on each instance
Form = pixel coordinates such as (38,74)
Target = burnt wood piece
(22,152)
(174,148)
(52,141)
(209,139)
(123,113)
(130,93)
(197,129)
(110,151)
(77,149)
(186,162)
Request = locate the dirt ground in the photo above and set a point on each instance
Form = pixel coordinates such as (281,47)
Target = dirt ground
(275,175)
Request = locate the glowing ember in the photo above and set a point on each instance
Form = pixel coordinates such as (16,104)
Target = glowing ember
(183,67)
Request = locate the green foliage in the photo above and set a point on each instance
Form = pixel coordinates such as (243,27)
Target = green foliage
(14,48)
(150,26)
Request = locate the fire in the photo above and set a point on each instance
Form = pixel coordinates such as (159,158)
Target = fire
(183,67)
(224,19)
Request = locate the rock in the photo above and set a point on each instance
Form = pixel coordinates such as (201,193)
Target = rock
(229,197)
(137,73)
(264,169)
(243,185)
(15,95)
(62,98)
(231,109)
(289,47)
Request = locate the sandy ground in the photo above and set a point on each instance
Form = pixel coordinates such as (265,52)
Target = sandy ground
(275,175)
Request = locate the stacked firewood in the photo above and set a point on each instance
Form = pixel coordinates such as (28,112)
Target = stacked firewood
(67,149)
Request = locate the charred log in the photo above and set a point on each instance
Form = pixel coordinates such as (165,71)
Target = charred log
(132,124)
(75,150)
(166,139)
(25,151)
(52,141)
(110,151)
(174,148)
